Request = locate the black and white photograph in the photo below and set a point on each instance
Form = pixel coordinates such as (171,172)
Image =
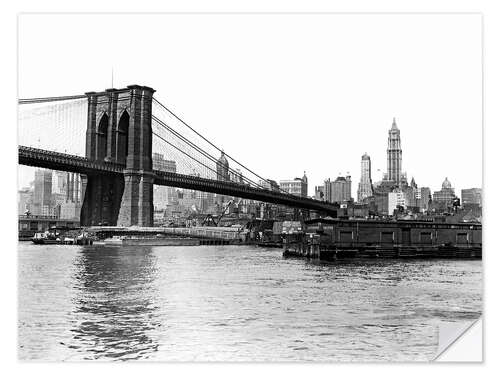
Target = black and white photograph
(248,187)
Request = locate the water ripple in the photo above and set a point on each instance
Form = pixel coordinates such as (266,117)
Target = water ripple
(234,304)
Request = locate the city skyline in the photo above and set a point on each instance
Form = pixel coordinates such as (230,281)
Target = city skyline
(380,174)
(325,119)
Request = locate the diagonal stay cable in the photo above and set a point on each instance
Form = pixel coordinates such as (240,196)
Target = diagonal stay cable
(203,152)
(196,148)
(196,160)
(185,153)
(200,150)
(205,139)
(210,143)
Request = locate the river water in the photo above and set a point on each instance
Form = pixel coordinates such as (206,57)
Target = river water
(234,303)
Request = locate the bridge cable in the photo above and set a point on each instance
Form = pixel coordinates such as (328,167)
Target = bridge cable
(50,99)
(185,153)
(62,98)
(250,182)
(206,140)
(203,152)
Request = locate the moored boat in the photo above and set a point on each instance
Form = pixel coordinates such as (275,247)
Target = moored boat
(63,236)
(41,238)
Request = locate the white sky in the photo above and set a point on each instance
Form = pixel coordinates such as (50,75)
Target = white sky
(285,93)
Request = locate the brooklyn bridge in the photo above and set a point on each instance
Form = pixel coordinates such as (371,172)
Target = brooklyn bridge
(109,138)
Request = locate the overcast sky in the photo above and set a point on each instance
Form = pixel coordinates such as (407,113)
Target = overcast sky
(285,93)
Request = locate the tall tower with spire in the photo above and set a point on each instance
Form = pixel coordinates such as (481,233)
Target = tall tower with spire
(394,155)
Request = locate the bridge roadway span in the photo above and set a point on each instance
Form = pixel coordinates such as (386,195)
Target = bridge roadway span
(35,157)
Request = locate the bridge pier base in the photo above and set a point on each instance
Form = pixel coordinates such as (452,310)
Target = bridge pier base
(102,200)
(137,199)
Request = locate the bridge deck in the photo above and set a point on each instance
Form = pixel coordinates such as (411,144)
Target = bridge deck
(71,163)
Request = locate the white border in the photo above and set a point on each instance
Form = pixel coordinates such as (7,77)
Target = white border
(9,157)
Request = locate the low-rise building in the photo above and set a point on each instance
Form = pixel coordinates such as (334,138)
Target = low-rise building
(269,185)
(297,186)
(471,196)
(319,193)
(396,199)
(24,197)
(70,211)
(442,200)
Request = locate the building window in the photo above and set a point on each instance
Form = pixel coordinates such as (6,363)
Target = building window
(426,238)
(387,237)
(462,238)
(346,236)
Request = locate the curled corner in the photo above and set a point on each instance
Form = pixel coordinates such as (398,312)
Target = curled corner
(451,332)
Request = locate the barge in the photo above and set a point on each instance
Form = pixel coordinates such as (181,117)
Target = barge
(331,239)
(160,241)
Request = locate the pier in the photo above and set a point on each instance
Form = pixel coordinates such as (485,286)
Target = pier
(332,239)
(166,236)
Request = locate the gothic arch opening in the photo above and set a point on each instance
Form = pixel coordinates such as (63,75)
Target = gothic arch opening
(122,138)
(102,137)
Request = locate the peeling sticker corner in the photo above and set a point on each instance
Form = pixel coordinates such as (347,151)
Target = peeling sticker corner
(451,332)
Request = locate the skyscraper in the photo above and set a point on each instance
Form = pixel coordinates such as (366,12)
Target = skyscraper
(73,187)
(425,197)
(42,193)
(163,195)
(222,168)
(412,194)
(339,190)
(70,207)
(365,189)
(394,155)
(59,182)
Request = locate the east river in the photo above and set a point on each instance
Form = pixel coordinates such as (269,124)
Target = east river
(234,303)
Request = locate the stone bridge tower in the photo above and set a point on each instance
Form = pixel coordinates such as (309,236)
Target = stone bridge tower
(119,131)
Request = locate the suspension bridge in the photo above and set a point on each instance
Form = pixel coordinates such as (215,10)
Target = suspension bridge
(110,137)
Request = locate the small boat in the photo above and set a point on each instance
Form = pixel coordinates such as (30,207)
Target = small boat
(46,239)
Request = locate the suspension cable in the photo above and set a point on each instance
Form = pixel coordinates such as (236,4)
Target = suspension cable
(197,148)
(205,139)
(50,99)
(210,143)
(185,153)
(203,152)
